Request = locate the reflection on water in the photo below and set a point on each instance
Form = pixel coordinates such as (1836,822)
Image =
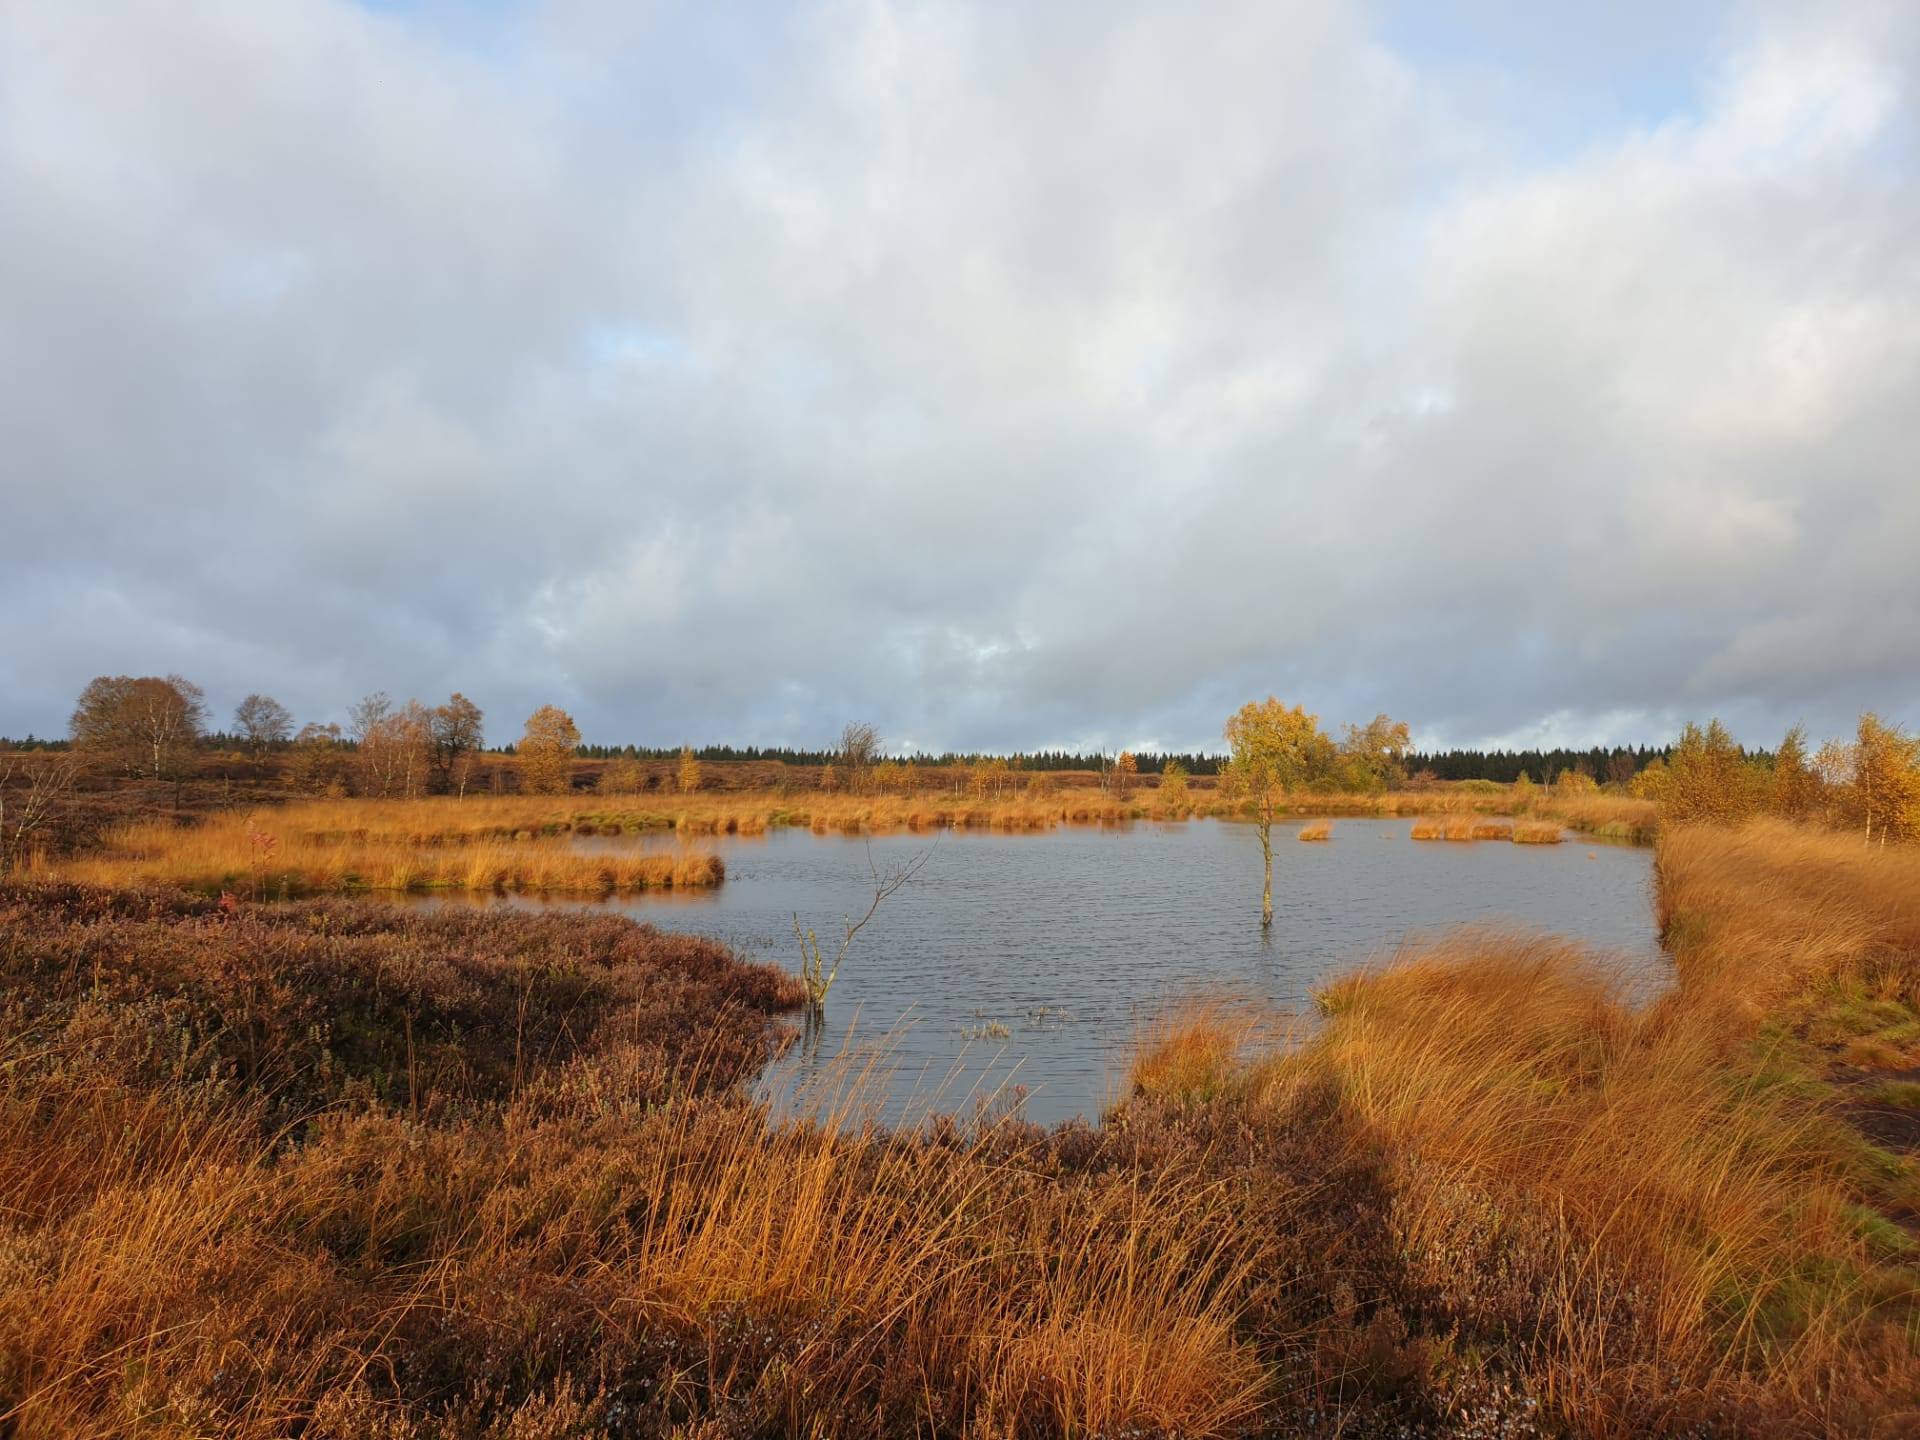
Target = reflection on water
(1035,960)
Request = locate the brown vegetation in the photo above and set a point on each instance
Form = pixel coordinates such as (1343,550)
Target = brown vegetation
(355,1171)
(1316,830)
(1536,832)
(325,847)
(1666,1202)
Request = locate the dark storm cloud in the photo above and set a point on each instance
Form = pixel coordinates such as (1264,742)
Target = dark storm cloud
(1008,375)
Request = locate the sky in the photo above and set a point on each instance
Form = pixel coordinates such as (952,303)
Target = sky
(1006,375)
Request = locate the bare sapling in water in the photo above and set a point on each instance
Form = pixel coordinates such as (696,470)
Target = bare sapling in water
(815,974)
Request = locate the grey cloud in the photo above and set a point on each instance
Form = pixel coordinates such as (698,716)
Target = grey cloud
(1010,376)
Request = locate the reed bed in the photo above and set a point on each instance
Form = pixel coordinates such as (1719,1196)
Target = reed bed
(1537,832)
(1446,827)
(443,821)
(273,853)
(1316,830)
(1607,817)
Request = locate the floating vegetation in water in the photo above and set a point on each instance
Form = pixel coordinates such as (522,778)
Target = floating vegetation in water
(991,1030)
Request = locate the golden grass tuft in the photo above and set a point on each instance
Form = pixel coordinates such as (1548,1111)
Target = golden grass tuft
(1537,832)
(1316,830)
(1445,827)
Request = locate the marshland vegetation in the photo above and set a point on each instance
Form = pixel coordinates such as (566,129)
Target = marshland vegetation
(342,1168)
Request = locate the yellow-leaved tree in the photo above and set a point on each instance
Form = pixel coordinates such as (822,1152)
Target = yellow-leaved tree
(546,751)
(1173,788)
(1708,781)
(1272,749)
(689,777)
(1796,787)
(1885,794)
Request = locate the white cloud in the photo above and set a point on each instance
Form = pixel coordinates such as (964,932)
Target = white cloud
(1007,375)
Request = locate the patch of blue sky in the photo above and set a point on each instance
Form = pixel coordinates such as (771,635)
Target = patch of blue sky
(625,343)
(1562,75)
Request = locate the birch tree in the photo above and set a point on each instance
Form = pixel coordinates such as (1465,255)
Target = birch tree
(1273,749)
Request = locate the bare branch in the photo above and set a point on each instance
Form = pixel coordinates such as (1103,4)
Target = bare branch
(815,974)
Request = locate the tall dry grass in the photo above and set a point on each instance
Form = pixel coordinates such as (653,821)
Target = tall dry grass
(304,849)
(343,1169)
(386,825)
(264,1226)
(1667,1200)
(1774,911)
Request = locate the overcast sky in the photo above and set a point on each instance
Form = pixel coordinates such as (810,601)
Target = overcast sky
(1008,375)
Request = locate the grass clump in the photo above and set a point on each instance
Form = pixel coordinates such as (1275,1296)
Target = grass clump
(1537,832)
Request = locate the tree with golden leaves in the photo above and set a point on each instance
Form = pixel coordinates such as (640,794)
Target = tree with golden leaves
(1796,788)
(1707,778)
(1885,793)
(1272,749)
(689,773)
(1373,756)
(621,777)
(1125,767)
(546,751)
(1173,788)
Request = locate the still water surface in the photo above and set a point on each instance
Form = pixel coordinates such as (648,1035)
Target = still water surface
(1071,940)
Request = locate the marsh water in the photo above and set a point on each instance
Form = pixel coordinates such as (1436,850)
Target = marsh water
(1036,960)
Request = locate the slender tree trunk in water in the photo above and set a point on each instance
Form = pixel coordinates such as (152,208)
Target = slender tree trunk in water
(1266,894)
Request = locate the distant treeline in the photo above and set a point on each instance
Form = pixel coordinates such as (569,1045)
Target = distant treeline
(1148,763)
(1620,763)
(1617,764)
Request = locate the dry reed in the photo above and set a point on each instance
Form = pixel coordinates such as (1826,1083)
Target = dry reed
(1537,832)
(283,852)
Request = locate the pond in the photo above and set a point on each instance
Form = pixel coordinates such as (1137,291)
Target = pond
(1035,960)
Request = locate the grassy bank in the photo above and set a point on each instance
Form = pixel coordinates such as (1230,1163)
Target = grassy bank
(371,1172)
(305,849)
(392,844)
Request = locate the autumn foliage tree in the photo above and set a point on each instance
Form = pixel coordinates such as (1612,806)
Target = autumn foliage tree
(1373,757)
(621,777)
(262,722)
(1884,796)
(1708,781)
(1173,787)
(455,732)
(317,760)
(688,776)
(1796,788)
(393,746)
(145,724)
(1272,749)
(546,751)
